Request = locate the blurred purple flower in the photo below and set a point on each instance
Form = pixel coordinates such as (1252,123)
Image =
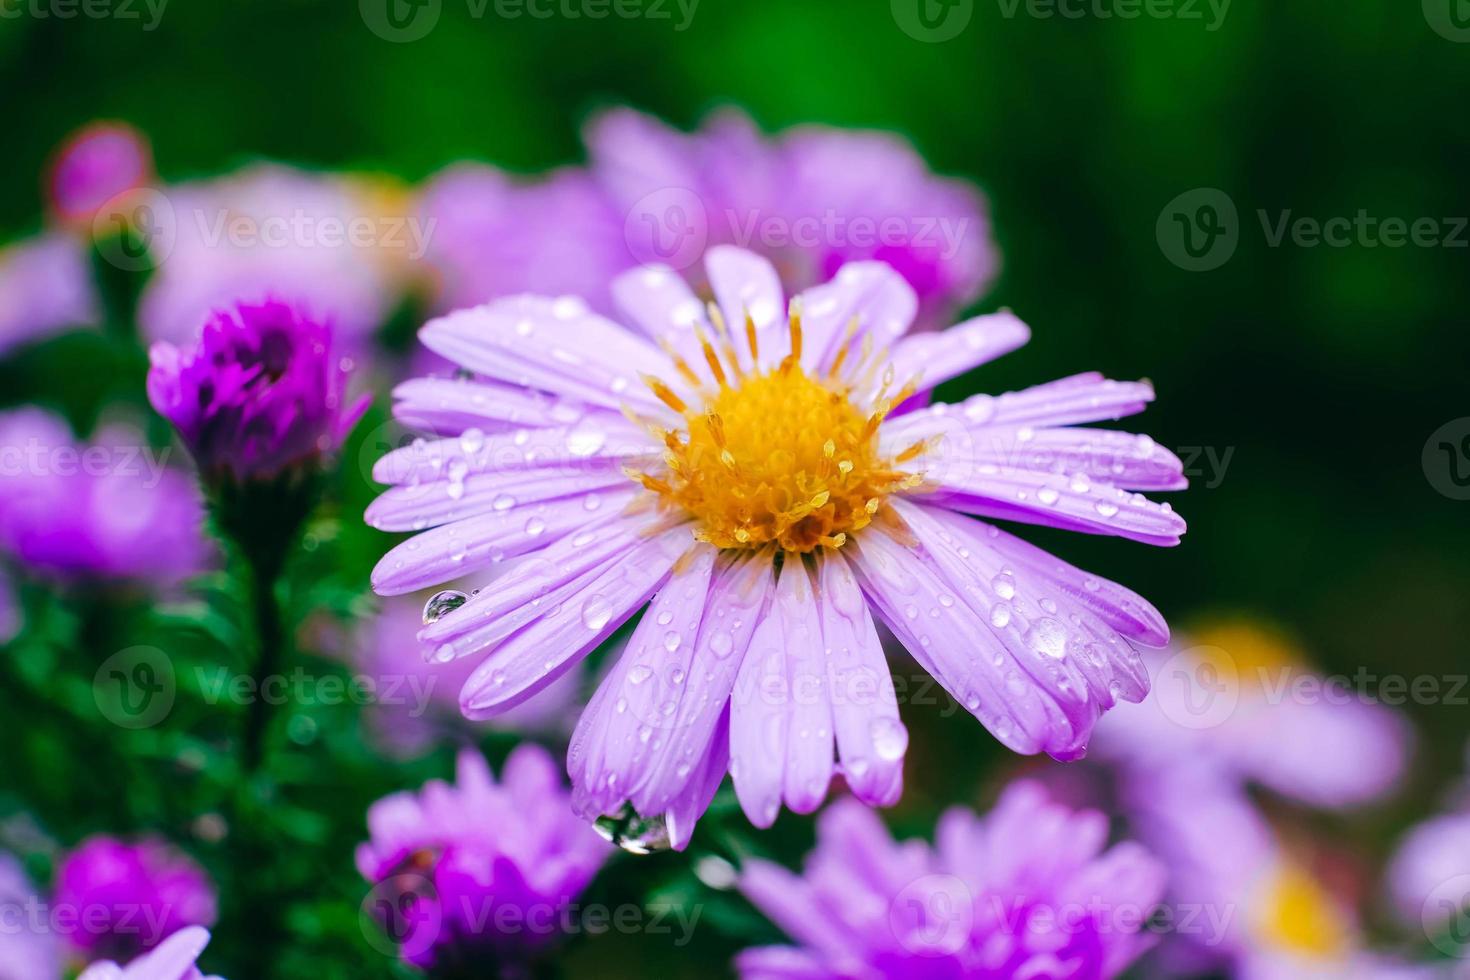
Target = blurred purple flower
(174,960)
(109,510)
(479,873)
(94,165)
(1025,891)
(772,503)
(46,287)
(331,245)
(496,236)
(25,953)
(129,897)
(1431,860)
(1237,692)
(811,200)
(260,394)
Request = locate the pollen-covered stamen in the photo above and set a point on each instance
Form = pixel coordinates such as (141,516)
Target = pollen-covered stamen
(779,458)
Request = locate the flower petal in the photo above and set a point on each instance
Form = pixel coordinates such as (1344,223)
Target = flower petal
(660,302)
(746,283)
(452,550)
(456,404)
(879,298)
(544,650)
(870,738)
(556,345)
(939,356)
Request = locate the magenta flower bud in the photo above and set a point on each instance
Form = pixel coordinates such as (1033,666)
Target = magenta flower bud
(94,165)
(259,397)
(122,898)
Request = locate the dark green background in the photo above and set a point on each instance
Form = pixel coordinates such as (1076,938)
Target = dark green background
(1324,370)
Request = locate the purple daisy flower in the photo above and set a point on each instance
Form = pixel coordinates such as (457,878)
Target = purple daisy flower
(495,236)
(319,241)
(1025,891)
(128,517)
(260,395)
(812,199)
(94,165)
(1429,875)
(46,288)
(1238,692)
(753,488)
(479,873)
(1248,906)
(28,949)
(174,960)
(130,897)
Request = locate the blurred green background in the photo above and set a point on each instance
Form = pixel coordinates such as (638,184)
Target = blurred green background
(1320,371)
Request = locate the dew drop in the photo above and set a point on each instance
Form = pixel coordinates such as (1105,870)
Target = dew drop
(441,604)
(633,833)
(596,611)
(890,738)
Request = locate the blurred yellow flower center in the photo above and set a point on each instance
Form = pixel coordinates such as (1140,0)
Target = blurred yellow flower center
(1299,916)
(777,457)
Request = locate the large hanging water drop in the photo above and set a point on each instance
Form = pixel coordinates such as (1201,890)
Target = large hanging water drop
(633,833)
(441,604)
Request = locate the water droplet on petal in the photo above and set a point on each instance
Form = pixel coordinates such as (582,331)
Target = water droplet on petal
(890,738)
(633,833)
(596,611)
(442,603)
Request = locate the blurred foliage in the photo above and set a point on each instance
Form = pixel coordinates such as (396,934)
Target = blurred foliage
(1321,371)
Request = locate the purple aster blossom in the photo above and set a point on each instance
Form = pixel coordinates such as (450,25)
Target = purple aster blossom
(479,872)
(495,236)
(1238,693)
(129,897)
(752,493)
(811,199)
(127,518)
(1025,891)
(1247,906)
(26,953)
(175,959)
(46,288)
(271,231)
(418,700)
(259,395)
(94,165)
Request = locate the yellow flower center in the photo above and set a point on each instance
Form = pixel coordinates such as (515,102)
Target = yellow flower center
(777,457)
(1299,916)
